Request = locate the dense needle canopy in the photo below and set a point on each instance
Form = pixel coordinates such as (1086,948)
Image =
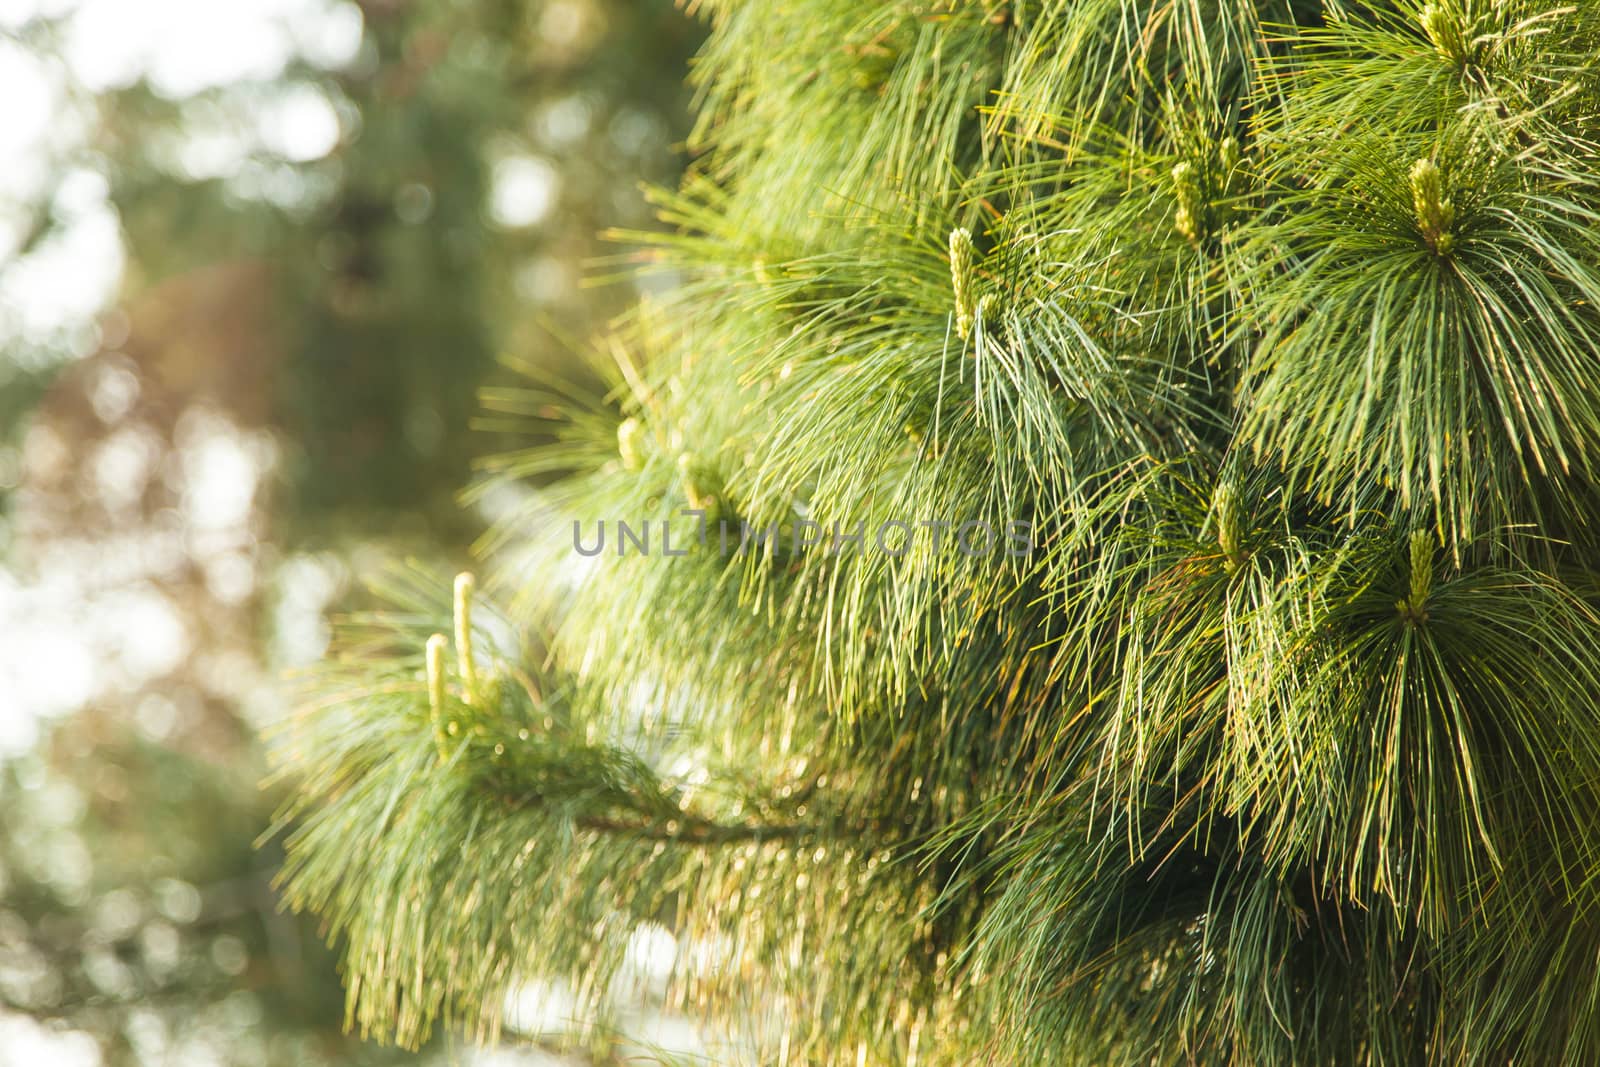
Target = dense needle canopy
(1275,324)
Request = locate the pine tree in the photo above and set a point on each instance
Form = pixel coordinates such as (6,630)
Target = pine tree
(1269,330)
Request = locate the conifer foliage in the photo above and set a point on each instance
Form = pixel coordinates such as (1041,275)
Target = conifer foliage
(1277,324)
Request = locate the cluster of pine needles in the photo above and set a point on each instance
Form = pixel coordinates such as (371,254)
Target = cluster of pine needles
(1278,324)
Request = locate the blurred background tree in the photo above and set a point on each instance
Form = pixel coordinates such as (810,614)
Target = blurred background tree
(255,259)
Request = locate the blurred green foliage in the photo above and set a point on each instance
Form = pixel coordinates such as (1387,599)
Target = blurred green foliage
(397,288)
(136,909)
(134,905)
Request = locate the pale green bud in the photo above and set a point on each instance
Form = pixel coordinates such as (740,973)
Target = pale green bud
(962,280)
(1436,214)
(435,660)
(1414,608)
(1191,201)
(1421,566)
(1445,31)
(1230,535)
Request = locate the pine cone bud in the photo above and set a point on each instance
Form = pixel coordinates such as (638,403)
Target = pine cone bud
(1421,567)
(1414,608)
(1446,33)
(630,444)
(1435,212)
(1230,536)
(1191,202)
(962,280)
(435,660)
